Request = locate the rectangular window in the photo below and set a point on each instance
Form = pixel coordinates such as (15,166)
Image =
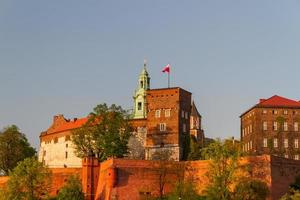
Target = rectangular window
(243,132)
(44,153)
(265,126)
(55,140)
(264,112)
(167,112)
(184,128)
(275,127)
(250,128)
(186,115)
(66,155)
(275,141)
(285,112)
(251,144)
(162,126)
(286,143)
(296,126)
(182,114)
(296,143)
(139,105)
(286,156)
(285,126)
(67,138)
(274,112)
(157,114)
(265,142)
(296,157)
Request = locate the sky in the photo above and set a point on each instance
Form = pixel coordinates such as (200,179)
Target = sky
(67,56)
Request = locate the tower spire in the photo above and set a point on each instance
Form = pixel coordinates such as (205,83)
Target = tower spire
(145,63)
(140,94)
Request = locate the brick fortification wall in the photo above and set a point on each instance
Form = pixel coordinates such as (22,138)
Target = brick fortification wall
(138,179)
(283,172)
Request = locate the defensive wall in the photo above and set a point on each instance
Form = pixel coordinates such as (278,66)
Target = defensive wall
(138,179)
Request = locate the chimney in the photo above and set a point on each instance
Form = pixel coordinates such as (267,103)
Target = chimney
(261,100)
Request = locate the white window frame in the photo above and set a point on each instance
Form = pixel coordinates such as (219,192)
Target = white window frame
(265,125)
(296,126)
(265,142)
(296,157)
(285,126)
(162,127)
(286,143)
(285,112)
(275,143)
(157,113)
(275,126)
(286,156)
(296,143)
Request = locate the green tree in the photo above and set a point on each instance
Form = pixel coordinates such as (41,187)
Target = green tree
(294,191)
(106,133)
(251,190)
(224,158)
(72,190)
(183,190)
(30,180)
(291,195)
(195,149)
(14,147)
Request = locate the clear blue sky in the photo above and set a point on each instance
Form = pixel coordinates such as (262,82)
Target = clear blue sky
(61,56)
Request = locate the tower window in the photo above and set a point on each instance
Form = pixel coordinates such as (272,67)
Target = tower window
(66,154)
(157,114)
(139,105)
(167,112)
(162,127)
(142,84)
(184,128)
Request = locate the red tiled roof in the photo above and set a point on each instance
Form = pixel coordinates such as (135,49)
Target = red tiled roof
(69,125)
(278,101)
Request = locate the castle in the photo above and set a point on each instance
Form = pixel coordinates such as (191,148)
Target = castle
(162,120)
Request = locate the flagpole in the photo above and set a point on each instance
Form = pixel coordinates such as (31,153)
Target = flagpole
(169,79)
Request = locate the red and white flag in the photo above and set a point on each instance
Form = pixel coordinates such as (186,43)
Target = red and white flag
(166,68)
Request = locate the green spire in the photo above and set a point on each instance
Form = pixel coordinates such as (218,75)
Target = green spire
(139,97)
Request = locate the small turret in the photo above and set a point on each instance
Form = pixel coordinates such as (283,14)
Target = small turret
(139,97)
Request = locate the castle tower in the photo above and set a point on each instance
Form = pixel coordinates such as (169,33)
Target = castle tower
(139,110)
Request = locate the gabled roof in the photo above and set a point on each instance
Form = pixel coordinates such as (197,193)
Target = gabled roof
(69,125)
(194,111)
(278,101)
(275,101)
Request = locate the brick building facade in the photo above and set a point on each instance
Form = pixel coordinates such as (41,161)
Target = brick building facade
(272,127)
(161,119)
